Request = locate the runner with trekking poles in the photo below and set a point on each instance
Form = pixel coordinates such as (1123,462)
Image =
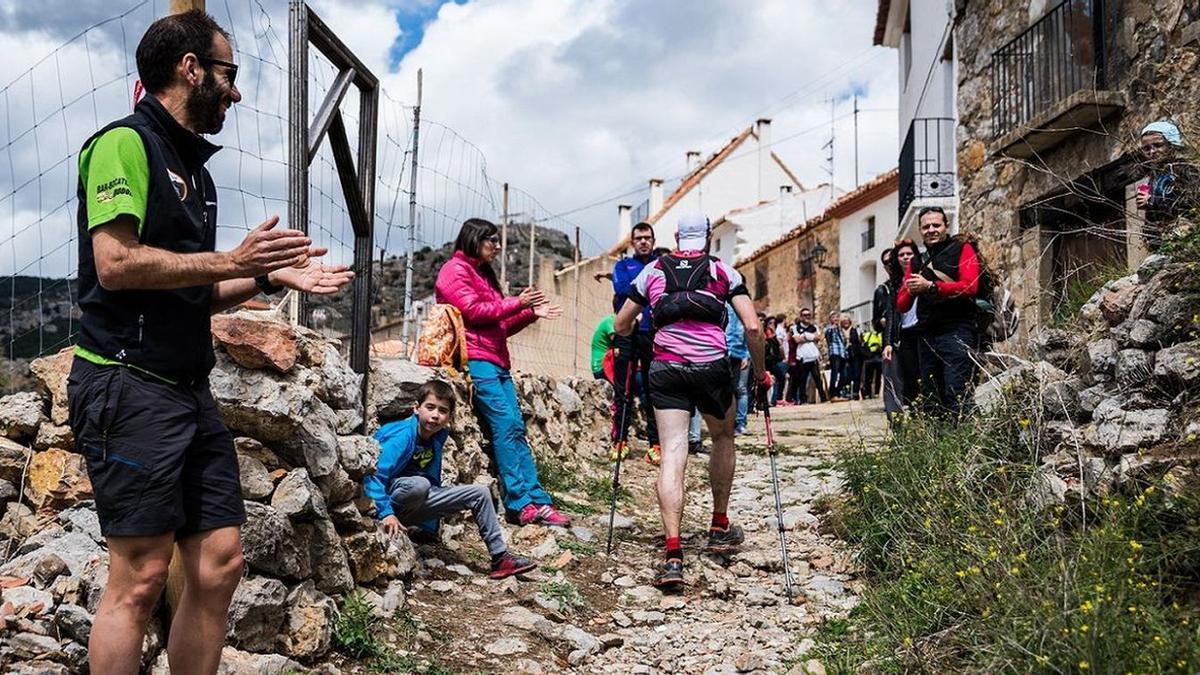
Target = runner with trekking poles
(686,291)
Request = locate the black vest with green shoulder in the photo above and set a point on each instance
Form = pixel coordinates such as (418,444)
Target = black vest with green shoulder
(166,332)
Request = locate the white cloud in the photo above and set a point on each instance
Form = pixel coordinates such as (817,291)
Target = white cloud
(575,101)
(568,101)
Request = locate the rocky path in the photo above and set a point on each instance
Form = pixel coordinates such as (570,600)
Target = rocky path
(587,612)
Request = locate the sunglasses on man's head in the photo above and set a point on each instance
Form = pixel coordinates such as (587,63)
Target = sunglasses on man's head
(231,69)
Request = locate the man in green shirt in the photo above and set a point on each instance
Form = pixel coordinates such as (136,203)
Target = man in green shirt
(161,462)
(602,342)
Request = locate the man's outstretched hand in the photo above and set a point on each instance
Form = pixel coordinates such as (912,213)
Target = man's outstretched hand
(313,277)
(266,249)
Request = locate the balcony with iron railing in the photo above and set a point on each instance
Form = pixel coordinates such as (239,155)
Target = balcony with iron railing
(1050,81)
(927,161)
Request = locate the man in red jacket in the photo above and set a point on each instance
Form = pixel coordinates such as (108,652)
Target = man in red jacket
(943,283)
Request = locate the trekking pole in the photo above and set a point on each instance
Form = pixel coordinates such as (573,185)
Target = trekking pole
(787,567)
(622,436)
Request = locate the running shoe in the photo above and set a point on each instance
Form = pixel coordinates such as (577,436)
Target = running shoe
(724,540)
(543,514)
(670,575)
(696,448)
(619,450)
(654,455)
(510,565)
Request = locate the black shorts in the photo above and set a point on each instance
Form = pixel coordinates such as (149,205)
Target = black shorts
(687,386)
(159,457)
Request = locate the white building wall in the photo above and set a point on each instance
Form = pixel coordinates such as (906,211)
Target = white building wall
(861,269)
(732,184)
(921,61)
(927,91)
(756,227)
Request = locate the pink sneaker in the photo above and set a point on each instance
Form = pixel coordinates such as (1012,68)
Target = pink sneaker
(543,514)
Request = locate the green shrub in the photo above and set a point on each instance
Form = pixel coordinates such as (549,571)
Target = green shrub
(964,575)
(554,476)
(565,592)
(354,628)
(1081,285)
(579,548)
(600,490)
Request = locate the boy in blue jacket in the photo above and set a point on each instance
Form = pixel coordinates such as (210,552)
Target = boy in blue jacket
(407,483)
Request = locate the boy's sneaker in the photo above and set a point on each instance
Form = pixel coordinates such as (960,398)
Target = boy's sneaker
(670,575)
(696,448)
(509,565)
(724,540)
(543,514)
(654,455)
(620,450)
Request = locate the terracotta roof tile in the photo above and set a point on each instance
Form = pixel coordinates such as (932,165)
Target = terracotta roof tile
(794,233)
(693,179)
(868,193)
(881,17)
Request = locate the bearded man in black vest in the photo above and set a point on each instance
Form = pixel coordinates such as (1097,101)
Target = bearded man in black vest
(161,462)
(943,283)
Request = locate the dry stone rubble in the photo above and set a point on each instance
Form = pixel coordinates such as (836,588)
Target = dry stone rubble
(1119,393)
(303,447)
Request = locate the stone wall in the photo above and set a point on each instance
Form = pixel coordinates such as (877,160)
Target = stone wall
(1116,400)
(295,408)
(1154,61)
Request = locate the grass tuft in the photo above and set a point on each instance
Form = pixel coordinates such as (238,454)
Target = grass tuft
(579,548)
(600,490)
(565,592)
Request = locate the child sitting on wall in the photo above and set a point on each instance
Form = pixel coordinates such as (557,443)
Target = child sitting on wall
(407,483)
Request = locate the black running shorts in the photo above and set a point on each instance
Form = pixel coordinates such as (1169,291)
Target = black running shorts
(159,457)
(687,386)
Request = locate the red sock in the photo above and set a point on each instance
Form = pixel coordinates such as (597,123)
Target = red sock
(674,548)
(720,520)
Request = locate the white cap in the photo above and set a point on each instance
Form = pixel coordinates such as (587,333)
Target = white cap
(692,232)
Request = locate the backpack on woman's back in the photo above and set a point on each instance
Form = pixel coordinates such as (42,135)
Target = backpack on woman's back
(442,340)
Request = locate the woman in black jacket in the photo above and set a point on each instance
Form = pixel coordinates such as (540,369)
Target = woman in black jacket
(900,339)
(884,320)
(900,368)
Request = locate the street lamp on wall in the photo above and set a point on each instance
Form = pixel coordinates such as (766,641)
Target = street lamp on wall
(818,257)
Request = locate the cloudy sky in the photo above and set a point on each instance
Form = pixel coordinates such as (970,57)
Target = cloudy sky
(575,104)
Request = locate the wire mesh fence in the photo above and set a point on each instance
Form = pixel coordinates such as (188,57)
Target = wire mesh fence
(55,104)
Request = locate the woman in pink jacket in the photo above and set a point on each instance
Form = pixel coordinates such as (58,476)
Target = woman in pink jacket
(468,282)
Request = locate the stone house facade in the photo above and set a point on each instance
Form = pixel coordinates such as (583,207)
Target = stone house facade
(1051,98)
(828,262)
(784,276)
